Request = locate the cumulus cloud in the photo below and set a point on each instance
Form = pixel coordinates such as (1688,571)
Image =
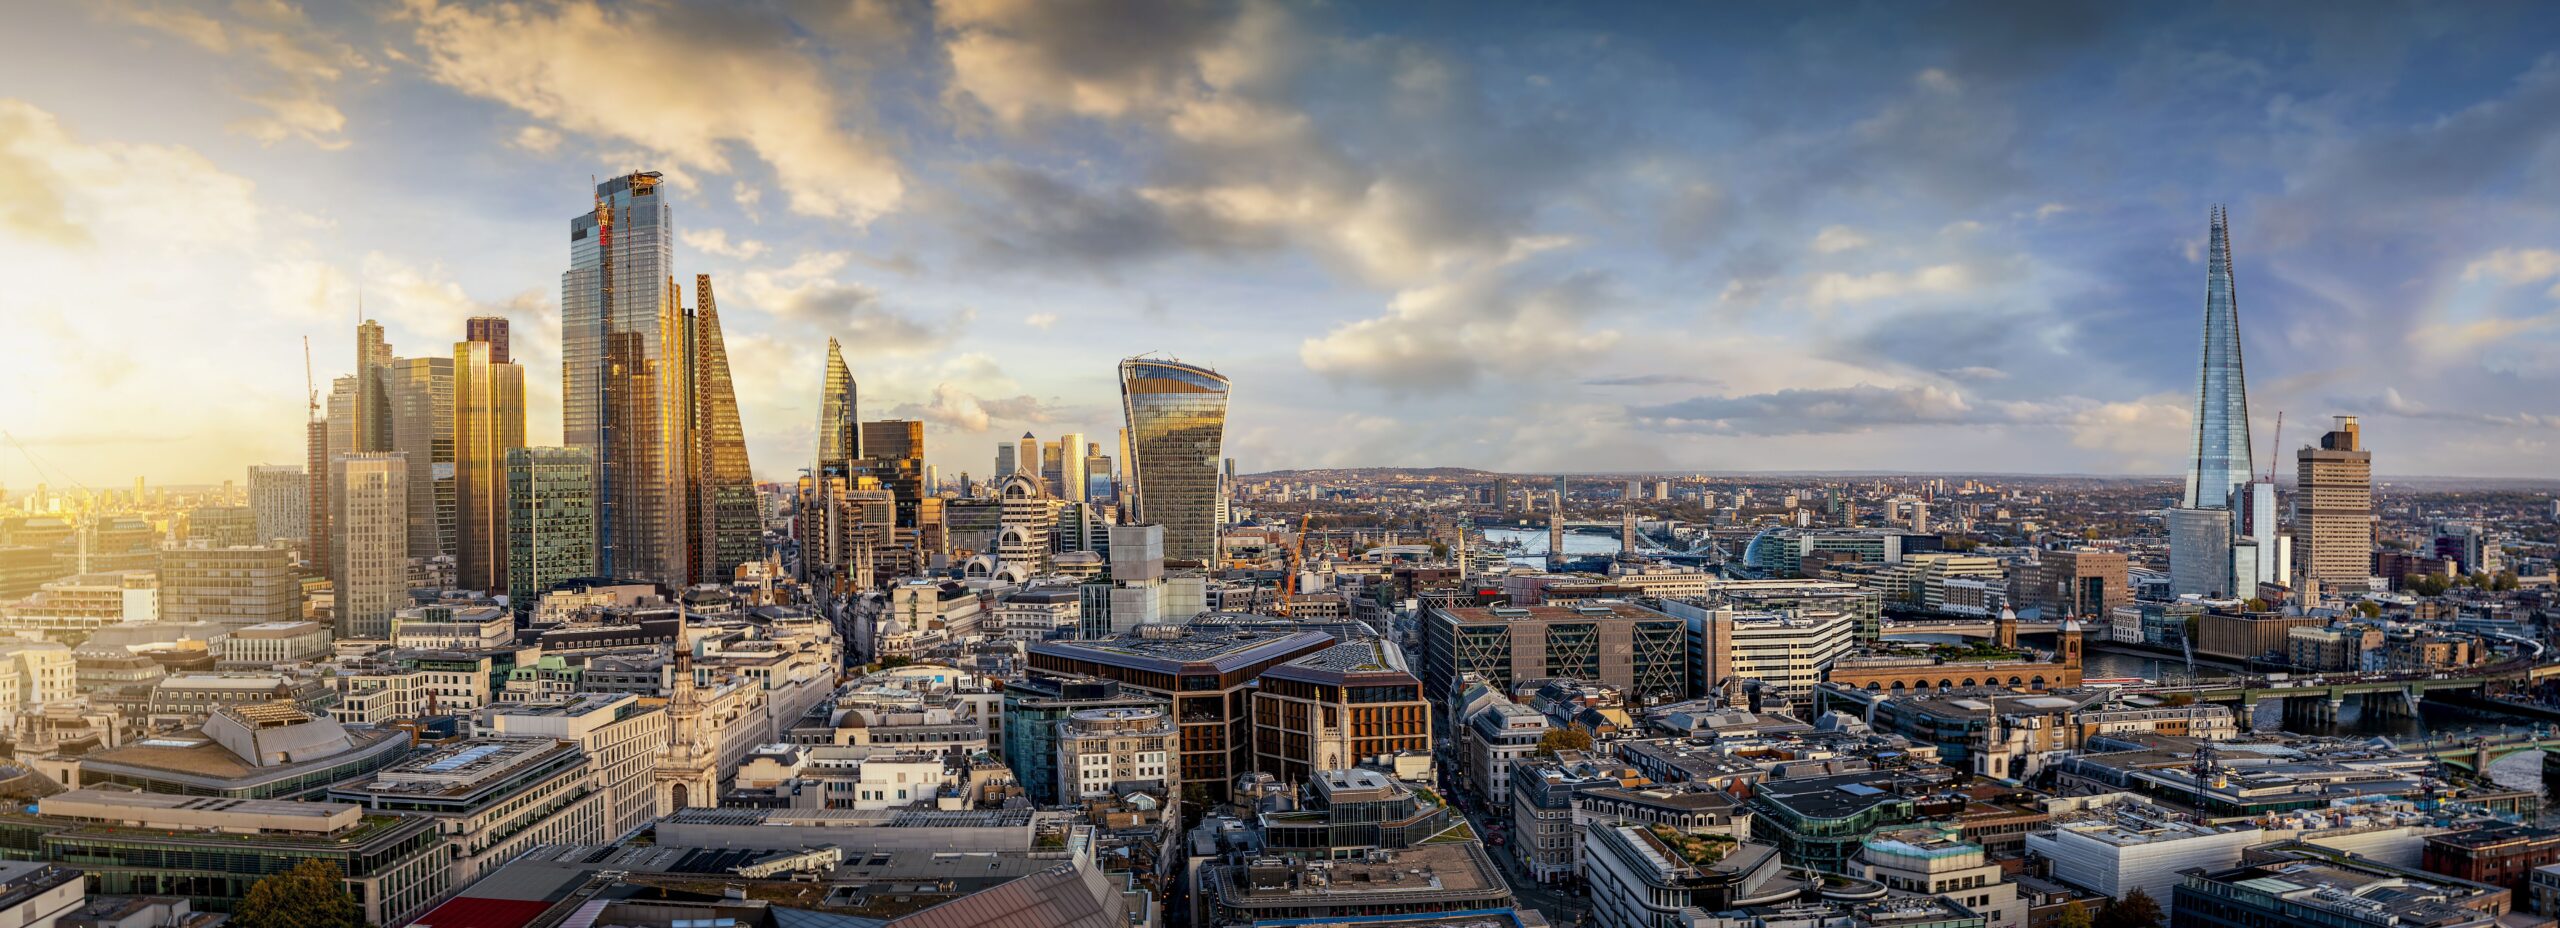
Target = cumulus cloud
(1834,290)
(1836,239)
(2512,266)
(1808,411)
(685,85)
(1493,321)
(807,292)
(1041,321)
(715,241)
(64,191)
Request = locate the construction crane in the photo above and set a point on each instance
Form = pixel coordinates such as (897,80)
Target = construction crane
(310,385)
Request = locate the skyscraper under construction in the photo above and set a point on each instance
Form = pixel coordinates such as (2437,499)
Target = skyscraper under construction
(646,391)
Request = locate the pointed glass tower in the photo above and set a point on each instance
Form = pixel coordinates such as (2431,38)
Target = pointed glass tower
(2221,461)
(839,429)
(727,530)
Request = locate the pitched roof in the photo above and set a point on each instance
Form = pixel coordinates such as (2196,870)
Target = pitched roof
(1064,896)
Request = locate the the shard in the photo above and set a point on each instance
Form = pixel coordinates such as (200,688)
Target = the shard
(727,530)
(2221,460)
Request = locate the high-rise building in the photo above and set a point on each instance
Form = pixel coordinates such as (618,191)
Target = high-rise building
(1177,416)
(551,520)
(1097,477)
(491,330)
(894,455)
(1004,458)
(2203,554)
(1071,468)
(488,421)
(839,423)
(371,415)
(1026,456)
(421,392)
(235,586)
(2221,458)
(728,530)
(625,377)
(281,497)
(369,512)
(2333,507)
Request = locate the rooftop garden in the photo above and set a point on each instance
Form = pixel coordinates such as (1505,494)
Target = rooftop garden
(1979,651)
(1697,850)
(1459,833)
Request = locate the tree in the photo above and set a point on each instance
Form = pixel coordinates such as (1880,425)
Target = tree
(311,895)
(2428,585)
(2135,909)
(1563,739)
(2074,915)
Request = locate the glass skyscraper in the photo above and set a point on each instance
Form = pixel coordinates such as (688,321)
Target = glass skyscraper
(727,529)
(551,525)
(1177,417)
(625,378)
(839,425)
(2221,460)
(488,421)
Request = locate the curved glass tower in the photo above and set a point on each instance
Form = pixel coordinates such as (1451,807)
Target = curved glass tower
(1177,419)
(2221,460)
(839,434)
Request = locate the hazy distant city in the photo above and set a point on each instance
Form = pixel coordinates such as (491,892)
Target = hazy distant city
(1000,464)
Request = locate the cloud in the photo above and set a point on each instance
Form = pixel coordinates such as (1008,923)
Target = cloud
(716,242)
(305,63)
(1837,239)
(66,192)
(1041,321)
(954,407)
(1647,380)
(540,140)
(1833,290)
(1492,321)
(2391,403)
(807,292)
(683,84)
(2515,266)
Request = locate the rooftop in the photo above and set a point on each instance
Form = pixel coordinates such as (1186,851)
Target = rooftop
(1221,649)
(1583,610)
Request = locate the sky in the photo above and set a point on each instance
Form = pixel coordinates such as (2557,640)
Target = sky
(1895,236)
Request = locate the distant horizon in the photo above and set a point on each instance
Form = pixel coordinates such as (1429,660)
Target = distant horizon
(1763,239)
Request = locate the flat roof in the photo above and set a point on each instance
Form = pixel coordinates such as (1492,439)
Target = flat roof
(1222,649)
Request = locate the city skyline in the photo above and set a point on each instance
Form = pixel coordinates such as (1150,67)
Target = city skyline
(1953,274)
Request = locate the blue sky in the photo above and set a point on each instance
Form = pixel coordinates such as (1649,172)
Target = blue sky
(1896,236)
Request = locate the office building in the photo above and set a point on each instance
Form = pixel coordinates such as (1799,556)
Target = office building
(1005,464)
(490,331)
(280,497)
(1026,457)
(839,416)
(2297,884)
(2504,856)
(1113,752)
(1035,706)
(1176,417)
(1788,651)
(728,529)
(488,422)
(369,420)
(492,798)
(2074,582)
(267,644)
(551,534)
(1934,860)
(1070,464)
(252,745)
(626,377)
(1655,877)
(2221,461)
(617,734)
(1642,652)
(244,585)
(2119,844)
(2200,553)
(223,526)
(211,852)
(2333,507)
(1204,673)
(1346,705)
(421,391)
(369,512)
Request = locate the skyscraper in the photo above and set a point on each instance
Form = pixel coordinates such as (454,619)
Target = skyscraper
(2333,506)
(488,422)
(1004,458)
(421,391)
(1053,468)
(371,415)
(1026,457)
(2201,551)
(727,529)
(1071,467)
(493,331)
(551,520)
(369,509)
(839,422)
(280,495)
(626,378)
(2221,460)
(1177,416)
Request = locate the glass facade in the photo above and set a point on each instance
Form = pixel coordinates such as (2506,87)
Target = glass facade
(2222,458)
(624,377)
(839,434)
(488,421)
(1177,415)
(550,522)
(727,529)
